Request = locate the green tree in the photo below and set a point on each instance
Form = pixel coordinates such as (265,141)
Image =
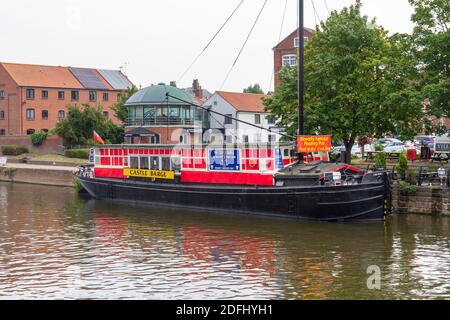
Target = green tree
(431,38)
(81,121)
(120,110)
(357,83)
(254,89)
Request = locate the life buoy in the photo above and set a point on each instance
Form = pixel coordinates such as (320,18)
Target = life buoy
(252,163)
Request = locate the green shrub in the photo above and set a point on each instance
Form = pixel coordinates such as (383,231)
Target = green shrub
(14,150)
(411,176)
(404,186)
(77,153)
(402,165)
(38,138)
(379,147)
(380,160)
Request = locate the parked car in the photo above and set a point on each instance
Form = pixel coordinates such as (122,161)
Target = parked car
(356,149)
(395,147)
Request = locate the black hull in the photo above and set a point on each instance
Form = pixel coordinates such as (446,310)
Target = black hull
(338,203)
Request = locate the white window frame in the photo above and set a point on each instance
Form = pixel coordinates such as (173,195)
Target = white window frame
(289,59)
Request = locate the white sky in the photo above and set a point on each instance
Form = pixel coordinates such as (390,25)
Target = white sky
(159,39)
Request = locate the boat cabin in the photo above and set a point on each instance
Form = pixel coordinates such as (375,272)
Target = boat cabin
(246,164)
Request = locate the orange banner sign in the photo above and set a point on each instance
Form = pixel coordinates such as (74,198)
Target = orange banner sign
(313,143)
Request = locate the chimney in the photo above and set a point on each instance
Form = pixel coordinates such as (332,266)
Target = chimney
(173,84)
(198,92)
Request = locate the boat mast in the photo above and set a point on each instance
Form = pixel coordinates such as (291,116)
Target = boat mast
(301,86)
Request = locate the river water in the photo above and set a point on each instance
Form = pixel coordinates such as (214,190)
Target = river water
(56,244)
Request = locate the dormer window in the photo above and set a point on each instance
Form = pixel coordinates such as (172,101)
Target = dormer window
(297,42)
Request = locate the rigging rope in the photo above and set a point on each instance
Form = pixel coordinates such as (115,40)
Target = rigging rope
(245,42)
(316,15)
(326,5)
(210,41)
(279,39)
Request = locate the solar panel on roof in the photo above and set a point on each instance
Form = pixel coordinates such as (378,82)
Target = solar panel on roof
(88,78)
(116,79)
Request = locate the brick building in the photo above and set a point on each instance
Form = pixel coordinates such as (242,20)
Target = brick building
(285,53)
(35,97)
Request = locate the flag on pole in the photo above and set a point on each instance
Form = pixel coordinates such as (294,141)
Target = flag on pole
(98,138)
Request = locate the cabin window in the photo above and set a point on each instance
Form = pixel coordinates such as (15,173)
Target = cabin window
(286,152)
(143,163)
(154,163)
(165,161)
(176,163)
(134,163)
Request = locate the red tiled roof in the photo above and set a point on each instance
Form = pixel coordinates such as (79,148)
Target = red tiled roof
(246,102)
(27,75)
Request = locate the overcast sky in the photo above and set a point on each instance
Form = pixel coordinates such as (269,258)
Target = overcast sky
(158,39)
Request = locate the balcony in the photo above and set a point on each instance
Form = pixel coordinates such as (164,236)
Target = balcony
(159,121)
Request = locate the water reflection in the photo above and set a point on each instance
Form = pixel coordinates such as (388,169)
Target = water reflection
(55,244)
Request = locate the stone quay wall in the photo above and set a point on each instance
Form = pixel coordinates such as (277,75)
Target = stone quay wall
(426,200)
(45,175)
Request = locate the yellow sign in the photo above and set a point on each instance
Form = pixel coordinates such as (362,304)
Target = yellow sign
(157,174)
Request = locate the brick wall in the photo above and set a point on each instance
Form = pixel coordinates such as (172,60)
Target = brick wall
(49,145)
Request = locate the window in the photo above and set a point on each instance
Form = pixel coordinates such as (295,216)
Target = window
(105,96)
(30,94)
(106,114)
(119,96)
(289,59)
(44,114)
(45,130)
(228,139)
(2,132)
(61,114)
(272,138)
(134,163)
(270,120)
(92,96)
(143,163)
(2,115)
(30,114)
(75,95)
(44,94)
(165,163)
(245,138)
(61,95)
(257,119)
(297,42)
(30,131)
(154,163)
(2,94)
(228,119)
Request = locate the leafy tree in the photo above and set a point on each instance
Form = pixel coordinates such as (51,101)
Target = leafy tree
(120,110)
(431,38)
(357,83)
(81,121)
(254,89)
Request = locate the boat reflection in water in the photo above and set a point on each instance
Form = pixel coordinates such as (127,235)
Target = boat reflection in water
(257,258)
(56,245)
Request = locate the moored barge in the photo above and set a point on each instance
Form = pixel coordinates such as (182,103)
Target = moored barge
(251,179)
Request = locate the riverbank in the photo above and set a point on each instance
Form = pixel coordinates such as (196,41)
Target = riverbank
(52,175)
